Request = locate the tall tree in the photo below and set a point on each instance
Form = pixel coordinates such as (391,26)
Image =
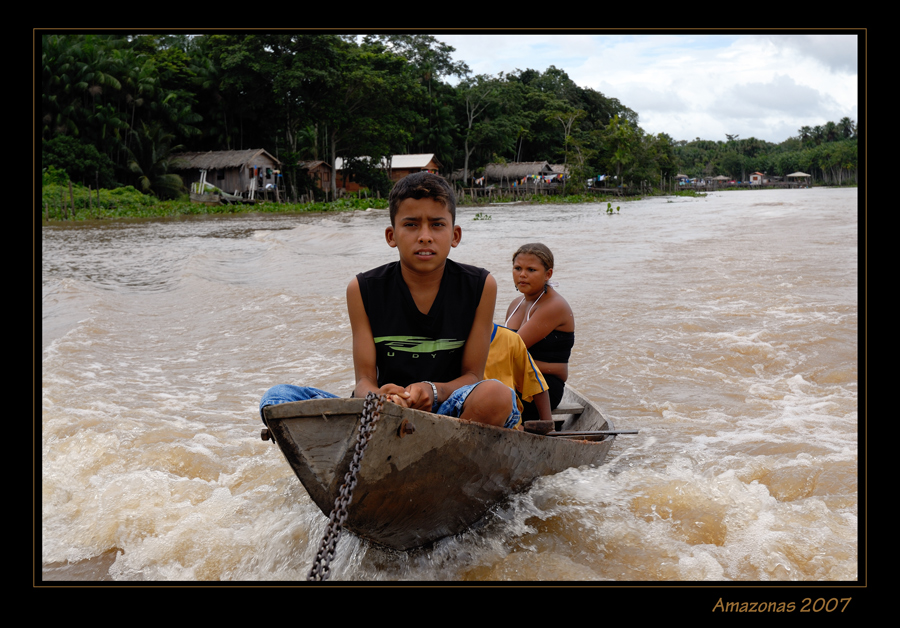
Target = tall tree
(367,103)
(567,119)
(430,61)
(476,94)
(621,140)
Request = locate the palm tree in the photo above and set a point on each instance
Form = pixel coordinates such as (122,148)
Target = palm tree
(818,134)
(152,161)
(208,78)
(847,127)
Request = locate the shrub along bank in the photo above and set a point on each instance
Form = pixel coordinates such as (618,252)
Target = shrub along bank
(65,201)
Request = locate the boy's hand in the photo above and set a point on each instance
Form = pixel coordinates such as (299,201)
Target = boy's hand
(395,394)
(420,396)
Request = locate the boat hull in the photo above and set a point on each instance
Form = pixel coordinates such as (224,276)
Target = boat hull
(423,476)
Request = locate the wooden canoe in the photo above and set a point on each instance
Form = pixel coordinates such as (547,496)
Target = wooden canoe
(424,476)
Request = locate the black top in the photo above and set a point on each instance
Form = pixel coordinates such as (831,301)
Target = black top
(411,346)
(555,347)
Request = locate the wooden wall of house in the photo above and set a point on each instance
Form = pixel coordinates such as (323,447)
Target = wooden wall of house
(212,176)
(322,177)
(399,173)
(229,179)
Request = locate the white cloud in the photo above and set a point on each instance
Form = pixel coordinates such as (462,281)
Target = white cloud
(838,53)
(688,85)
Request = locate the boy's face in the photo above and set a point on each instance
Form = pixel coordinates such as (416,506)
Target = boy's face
(423,232)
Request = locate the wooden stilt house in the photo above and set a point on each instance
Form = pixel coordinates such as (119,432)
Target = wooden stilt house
(235,172)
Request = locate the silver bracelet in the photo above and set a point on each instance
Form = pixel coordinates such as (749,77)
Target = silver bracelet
(435,405)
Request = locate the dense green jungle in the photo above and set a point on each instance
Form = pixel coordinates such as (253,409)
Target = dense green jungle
(116,111)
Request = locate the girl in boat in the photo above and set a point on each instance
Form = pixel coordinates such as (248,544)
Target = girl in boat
(543,319)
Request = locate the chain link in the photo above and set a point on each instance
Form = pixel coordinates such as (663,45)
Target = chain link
(370,415)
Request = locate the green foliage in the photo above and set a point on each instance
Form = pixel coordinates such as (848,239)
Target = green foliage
(119,108)
(81,162)
(127,202)
(153,162)
(828,152)
(364,173)
(53,176)
(481,216)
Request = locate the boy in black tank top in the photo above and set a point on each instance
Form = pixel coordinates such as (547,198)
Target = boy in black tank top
(422,325)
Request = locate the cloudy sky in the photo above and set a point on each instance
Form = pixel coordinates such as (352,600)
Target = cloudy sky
(693,85)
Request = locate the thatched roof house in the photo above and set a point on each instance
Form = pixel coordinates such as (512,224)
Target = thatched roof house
(229,170)
(515,170)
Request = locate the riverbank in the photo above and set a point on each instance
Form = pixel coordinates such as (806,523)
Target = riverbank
(63,203)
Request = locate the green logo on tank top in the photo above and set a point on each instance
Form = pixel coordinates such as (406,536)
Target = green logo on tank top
(418,344)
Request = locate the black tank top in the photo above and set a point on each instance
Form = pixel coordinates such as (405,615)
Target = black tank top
(411,346)
(555,347)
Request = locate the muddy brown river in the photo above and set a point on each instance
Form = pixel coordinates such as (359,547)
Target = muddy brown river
(724,328)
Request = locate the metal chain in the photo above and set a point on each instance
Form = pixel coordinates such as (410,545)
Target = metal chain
(370,415)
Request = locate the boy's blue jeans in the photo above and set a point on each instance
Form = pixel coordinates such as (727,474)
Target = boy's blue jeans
(453,406)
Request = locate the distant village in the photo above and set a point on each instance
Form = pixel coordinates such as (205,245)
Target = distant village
(241,176)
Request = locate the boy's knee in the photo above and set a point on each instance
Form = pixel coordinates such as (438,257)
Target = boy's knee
(286,393)
(498,392)
(280,393)
(490,402)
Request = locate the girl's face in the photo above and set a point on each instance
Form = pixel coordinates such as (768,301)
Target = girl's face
(529,274)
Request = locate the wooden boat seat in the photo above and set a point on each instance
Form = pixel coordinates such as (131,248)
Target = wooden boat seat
(567,408)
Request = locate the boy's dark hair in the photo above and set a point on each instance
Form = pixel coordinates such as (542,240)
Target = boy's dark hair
(421,185)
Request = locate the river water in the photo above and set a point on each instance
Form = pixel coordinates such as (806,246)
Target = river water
(724,328)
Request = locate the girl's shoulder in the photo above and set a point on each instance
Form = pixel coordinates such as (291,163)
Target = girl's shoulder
(556,299)
(558,310)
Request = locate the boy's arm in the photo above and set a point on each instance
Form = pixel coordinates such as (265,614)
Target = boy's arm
(364,348)
(474,357)
(531,382)
(478,344)
(542,403)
